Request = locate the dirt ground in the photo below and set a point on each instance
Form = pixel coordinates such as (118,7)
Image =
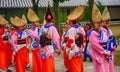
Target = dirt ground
(59,66)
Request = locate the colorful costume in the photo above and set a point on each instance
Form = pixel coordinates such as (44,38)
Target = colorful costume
(97,51)
(5,47)
(110,39)
(19,41)
(63,44)
(36,59)
(35,36)
(74,42)
(50,42)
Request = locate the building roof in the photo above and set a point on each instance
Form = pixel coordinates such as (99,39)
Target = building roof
(43,3)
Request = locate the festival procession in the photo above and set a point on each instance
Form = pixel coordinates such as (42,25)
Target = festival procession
(42,47)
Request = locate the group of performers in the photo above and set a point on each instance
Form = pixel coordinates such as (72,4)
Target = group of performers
(45,41)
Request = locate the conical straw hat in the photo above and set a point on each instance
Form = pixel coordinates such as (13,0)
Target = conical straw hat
(105,14)
(24,19)
(32,16)
(18,21)
(76,13)
(96,15)
(3,21)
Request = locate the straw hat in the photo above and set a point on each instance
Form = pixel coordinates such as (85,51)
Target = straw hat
(96,15)
(24,19)
(32,16)
(17,21)
(105,14)
(3,21)
(76,13)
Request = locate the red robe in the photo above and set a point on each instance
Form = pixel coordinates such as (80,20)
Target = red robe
(76,64)
(21,59)
(3,55)
(36,61)
(5,52)
(48,65)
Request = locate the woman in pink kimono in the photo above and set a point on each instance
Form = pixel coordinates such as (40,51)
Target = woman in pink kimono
(50,43)
(108,36)
(19,42)
(97,51)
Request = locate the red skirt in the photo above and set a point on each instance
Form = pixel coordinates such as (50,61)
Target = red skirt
(36,61)
(66,64)
(76,64)
(21,59)
(48,65)
(9,52)
(3,58)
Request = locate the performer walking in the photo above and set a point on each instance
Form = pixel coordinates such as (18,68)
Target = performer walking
(19,41)
(50,43)
(98,50)
(110,39)
(35,44)
(5,47)
(75,40)
(63,44)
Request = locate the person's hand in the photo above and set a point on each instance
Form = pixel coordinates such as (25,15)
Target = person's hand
(108,54)
(113,48)
(58,52)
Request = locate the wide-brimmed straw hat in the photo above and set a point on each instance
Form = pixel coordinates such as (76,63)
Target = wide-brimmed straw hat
(17,21)
(32,16)
(3,21)
(77,13)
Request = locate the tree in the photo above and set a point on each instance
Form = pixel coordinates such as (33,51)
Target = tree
(35,7)
(56,15)
(91,5)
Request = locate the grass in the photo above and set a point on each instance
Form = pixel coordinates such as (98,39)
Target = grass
(117,58)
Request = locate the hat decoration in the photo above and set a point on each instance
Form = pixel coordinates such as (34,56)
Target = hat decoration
(48,16)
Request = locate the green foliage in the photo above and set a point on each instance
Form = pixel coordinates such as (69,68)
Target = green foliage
(62,0)
(100,6)
(117,58)
(35,7)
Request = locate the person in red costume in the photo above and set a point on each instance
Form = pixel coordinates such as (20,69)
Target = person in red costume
(19,42)
(35,32)
(50,43)
(5,47)
(74,40)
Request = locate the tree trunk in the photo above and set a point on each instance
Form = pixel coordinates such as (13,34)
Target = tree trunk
(91,5)
(56,16)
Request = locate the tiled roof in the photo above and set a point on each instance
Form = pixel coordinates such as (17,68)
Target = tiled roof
(43,3)
(15,3)
(109,2)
